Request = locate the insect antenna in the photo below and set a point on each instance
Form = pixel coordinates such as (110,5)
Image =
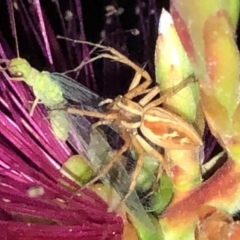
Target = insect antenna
(11,6)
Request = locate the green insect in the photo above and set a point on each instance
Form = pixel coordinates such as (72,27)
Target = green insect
(45,90)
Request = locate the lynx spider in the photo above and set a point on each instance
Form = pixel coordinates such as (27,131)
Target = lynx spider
(159,126)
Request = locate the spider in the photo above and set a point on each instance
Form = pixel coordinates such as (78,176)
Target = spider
(159,126)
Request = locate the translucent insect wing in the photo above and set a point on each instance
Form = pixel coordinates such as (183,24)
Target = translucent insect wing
(75,91)
(95,147)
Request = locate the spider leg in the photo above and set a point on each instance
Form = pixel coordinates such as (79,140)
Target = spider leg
(149,96)
(101,122)
(140,160)
(159,174)
(148,148)
(170,92)
(99,115)
(116,55)
(83,63)
(135,88)
(155,185)
(115,159)
(138,89)
(105,101)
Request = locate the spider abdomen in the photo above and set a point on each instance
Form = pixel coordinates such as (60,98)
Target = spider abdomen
(169,131)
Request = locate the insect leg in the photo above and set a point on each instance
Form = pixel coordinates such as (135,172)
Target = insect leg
(35,103)
(9,78)
(36,100)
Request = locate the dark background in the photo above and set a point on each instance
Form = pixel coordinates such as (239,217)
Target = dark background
(88,23)
(110,78)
